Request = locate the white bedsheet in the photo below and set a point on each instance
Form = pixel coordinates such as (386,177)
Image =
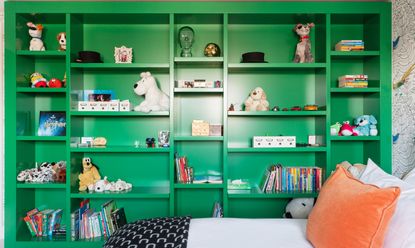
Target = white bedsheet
(247,233)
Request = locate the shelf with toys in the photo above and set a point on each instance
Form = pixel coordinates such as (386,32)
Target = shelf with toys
(236,48)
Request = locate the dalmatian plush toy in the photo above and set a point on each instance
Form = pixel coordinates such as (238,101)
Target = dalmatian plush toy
(46,172)
(155,99)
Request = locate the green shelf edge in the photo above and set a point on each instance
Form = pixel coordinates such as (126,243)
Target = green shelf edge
(277,65)
(354,138)
(41,138)
(120,149)
(120,66)
(41,185)
(40,90)
(355,90)
(198,138)
(354,53)
(40,53)
(118,113)
(199,186)
(249,194)
(277,113)
(198,59)
(135,192)
(198,90)
(285,149)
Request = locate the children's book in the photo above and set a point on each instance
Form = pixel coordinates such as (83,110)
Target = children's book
(108,208)
(118,217)
(207,179)
(52,123)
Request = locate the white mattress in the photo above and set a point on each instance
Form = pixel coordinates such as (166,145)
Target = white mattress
(247,233)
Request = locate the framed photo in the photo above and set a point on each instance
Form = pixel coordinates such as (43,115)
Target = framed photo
(52,123)
(123,55)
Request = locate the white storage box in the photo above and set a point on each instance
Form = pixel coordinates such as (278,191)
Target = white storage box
(125,106)
(93,106)
(83,106)
(273,141)
(114,105)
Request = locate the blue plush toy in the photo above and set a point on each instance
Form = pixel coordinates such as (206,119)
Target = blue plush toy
(366,125)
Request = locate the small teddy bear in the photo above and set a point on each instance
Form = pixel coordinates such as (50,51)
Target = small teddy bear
(364,125)
(89,175)
(303,50)
(257,101)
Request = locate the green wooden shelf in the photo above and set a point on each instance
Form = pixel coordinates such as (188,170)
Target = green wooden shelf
(355,90)
(255,193)
(40,90)
(198,90)
(198,138)
(277,113)
(40,53)
(121,149)
(41,185)
(41,138)
(354,53)
(198,185)
(115,66)
(277,65)
(135,192)
(354,138)
(118,113)
(198,59)
(284,149)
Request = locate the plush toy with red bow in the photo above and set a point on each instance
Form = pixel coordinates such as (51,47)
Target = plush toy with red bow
(303,50)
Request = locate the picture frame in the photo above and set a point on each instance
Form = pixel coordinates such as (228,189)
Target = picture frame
(123,54)
(52,123)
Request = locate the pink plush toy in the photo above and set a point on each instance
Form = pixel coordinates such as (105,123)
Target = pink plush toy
(347,129)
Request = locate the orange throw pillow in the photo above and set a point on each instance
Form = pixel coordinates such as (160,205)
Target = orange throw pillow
(349,213)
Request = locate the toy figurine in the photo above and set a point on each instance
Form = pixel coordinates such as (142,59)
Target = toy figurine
(55,83)
(61,37)
(89,175)
(38,81)
(150,142)
(303,51)
(35,31)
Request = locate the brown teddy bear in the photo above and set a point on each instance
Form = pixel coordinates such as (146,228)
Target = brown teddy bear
(257,101)
(89,175)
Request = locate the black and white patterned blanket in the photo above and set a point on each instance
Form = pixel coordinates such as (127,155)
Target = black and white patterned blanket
(152,233)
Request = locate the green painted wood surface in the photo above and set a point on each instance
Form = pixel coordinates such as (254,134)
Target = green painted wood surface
(151,30)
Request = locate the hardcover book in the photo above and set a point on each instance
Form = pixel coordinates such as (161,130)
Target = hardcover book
(52,123)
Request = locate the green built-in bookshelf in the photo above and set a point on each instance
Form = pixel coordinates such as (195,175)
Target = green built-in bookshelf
(151,29)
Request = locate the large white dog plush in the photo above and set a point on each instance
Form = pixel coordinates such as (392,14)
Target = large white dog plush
(35,31)
(155,99)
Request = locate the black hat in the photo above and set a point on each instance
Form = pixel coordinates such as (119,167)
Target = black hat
(253,57)
(88,57)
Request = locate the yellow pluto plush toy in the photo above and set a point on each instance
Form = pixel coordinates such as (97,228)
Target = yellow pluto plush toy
(89,175)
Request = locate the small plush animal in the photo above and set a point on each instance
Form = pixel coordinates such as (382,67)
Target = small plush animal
(364,125)
(35,31)
(299,208)
(155,99)
(303,50)
(38,81)
(347,130)
(257,101)
(102,185)
(89,175)
(335,128)
(61,38)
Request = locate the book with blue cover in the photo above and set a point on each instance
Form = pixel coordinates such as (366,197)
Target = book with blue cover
(52,123)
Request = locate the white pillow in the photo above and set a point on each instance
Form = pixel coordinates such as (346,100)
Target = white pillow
(410,177)
(401,228)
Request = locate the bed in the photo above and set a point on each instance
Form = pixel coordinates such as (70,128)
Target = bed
(181,232)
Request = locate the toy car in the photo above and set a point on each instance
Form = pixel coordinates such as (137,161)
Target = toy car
(311,107)
(296,108)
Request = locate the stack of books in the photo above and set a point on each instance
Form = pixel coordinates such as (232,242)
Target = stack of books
(87,224)
(350,45)
(353,81)
(44,223)
(291,179)
(184,173)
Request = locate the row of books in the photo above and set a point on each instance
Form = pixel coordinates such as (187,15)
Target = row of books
(353,81)
(184,173)
(278,178)
(350,45)
(45,222)
(87,223)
